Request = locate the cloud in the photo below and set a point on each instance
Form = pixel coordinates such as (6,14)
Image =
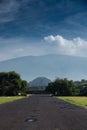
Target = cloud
(8,10)
(76,46)
(77,21)
(18,47)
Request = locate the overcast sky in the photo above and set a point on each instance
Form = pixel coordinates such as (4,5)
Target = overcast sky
(41,27)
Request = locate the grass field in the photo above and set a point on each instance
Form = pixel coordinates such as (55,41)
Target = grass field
(80,101)
(10,99)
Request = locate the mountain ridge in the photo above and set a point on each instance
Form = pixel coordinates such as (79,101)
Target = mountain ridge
(31,56)
(50,66)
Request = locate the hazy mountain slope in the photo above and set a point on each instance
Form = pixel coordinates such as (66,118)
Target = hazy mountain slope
(50,66)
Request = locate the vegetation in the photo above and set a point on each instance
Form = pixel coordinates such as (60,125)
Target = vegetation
(82,87)
(10,99)
(11,84)
(65,87)
(61,87)
(80,101)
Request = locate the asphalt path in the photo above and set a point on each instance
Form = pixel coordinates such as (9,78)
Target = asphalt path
(42,112)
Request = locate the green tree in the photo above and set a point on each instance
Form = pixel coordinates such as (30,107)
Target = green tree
(11,84)
(24,87)
(62,87)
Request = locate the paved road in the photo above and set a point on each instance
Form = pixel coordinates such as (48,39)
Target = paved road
(47,113)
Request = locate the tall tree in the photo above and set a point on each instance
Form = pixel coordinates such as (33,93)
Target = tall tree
(62,87)
(11,84)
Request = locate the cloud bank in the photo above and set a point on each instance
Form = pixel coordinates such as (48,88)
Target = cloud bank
(75,47)
(18,47)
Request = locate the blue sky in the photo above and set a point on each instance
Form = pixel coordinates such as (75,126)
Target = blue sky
(41,27)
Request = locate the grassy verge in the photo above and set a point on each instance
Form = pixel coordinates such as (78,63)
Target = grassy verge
(10,99)
(80,101)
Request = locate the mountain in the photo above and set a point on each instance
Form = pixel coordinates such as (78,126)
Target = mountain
(40,82)
(51,66)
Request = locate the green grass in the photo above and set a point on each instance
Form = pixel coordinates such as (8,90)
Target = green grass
(10,99)
(80,101)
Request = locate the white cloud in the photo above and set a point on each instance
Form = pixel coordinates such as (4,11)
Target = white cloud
(76,46)
(18,47)
(49,38)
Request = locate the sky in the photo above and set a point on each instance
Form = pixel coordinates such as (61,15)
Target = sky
(42,27)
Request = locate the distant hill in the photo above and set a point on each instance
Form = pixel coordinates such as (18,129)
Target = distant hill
(40,82)
(51,66)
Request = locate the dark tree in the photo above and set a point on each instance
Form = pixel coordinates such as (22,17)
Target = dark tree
(62,87)
(11,84)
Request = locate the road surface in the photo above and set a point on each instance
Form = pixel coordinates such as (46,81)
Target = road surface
(42,112)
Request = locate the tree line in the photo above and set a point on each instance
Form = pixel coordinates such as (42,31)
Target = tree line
(65,87)
(11,84)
